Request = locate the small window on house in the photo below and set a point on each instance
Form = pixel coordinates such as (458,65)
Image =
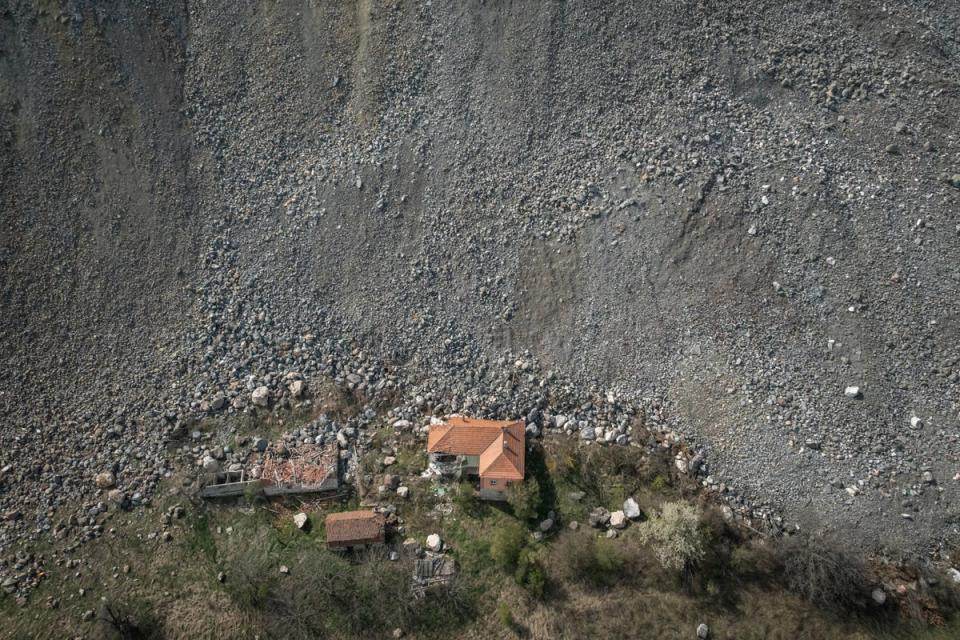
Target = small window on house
(493,483)
(509,482)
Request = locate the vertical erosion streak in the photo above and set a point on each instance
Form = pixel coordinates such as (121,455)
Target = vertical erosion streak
(362,104)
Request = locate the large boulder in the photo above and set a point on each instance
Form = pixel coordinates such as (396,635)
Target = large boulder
(631,509)
(301,521)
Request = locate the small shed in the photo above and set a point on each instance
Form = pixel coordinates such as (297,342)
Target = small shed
(355,529)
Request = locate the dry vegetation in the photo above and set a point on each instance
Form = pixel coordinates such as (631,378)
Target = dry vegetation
(512,583)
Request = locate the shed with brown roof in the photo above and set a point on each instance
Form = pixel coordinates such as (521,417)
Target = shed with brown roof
(355,529)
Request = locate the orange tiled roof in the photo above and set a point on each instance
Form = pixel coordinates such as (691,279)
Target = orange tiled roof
(499,443)
(355,527)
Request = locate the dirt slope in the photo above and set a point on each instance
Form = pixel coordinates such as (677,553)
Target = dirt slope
(733,209)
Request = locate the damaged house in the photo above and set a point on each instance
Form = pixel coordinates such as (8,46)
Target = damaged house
(282,470)
(490,450)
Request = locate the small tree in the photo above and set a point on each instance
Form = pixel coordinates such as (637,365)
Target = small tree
(530,573)
(524,499)
(464,497)
(676,535)
(505,545)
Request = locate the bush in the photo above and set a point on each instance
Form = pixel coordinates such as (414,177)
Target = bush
(506,544)
(597,562)
(251,568)
(659,483)
(505,615)
(530,573)
(606,557)
(821,572)
(524,499)
(676,536)
(464,497)
(131,620)
(754,561)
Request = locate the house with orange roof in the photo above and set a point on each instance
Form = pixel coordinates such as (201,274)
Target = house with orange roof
(492,450)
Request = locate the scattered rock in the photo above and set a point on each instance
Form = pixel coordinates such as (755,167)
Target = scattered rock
(879,596)
(434,543)
(631,509)
(618,520)
(260,396)
(403,492)
(297,389)
(301,521)
(852,392)
(105,480)
(599,517)
(703,631)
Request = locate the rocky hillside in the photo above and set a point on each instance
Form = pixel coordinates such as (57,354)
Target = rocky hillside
(721,216)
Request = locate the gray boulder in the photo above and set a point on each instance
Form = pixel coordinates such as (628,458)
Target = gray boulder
(599,517)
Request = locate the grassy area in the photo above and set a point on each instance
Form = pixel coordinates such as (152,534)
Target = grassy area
(220,576)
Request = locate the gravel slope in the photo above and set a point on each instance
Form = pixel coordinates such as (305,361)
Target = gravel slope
(720,214)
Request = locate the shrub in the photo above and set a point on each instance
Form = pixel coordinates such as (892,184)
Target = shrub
(524,499)
(251,568)
(676,536)
(505,615)
(530,573)
(606,557)
(131,620)
(659,483)
(584,558)
(821,572)
(464,497)
(753,560)
(506,544)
